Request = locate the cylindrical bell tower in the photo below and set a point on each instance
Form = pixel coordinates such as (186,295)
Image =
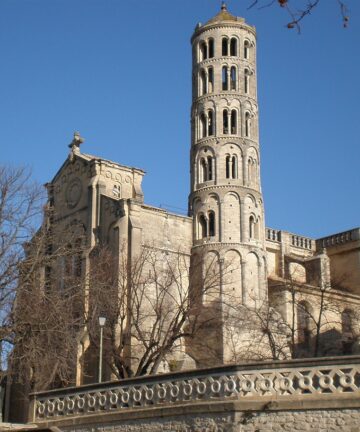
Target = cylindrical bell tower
(225,200)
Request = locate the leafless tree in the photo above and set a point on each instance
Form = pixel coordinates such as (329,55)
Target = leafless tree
(297,10)
(21,203)
(149,307)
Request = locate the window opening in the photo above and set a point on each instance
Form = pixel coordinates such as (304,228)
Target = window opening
(233,47)
(211,224)
(211,80)
(233,122)
(210,168)
(202,226)
(225,47)
(225,78)
(211,123)
(211,48)
(233,78)
(225,122)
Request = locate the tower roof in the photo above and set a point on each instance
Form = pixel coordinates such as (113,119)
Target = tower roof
(223,15)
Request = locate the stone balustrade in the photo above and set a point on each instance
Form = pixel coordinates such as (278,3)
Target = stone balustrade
(301,242)
(273,235)
(266,381)
(339,239)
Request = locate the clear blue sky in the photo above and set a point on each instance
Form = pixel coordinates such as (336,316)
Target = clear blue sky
(119,71)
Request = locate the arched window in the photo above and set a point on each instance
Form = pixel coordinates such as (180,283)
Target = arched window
(246,80)
(202,83)
(233,47)
(210,123)
(246,49)
(225,83)
(251,227)
(209,168)
(203,170)
(211,223)
(211,80)
(233,122)
(247,124)
(202,125)
(234,168)
(233,78)
(225,122)
(202,229)
(224,47)
(227,163)
(203,51)
(211,48)
(304,323)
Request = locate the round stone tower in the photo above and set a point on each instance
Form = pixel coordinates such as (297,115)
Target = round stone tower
(225,200)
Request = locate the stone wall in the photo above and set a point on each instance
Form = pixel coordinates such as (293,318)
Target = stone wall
(345,420)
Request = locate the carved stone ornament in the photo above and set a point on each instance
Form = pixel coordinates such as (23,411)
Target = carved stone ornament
(73,192)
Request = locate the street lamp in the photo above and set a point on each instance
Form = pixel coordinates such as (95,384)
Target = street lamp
(102,321)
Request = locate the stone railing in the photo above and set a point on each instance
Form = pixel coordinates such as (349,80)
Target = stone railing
(301,242)
(265,381)
(339,239)
(273,235)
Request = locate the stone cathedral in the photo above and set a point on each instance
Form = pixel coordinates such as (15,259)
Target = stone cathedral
(226,217)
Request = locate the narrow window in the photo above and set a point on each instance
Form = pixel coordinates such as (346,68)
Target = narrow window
(211,80)
(246,49)
(203,170)
(210,168)
(251,226)
(203,51)
(225,78)
(247,124)
(234,167)
(202,125)
(233,122)
(202,82)
(233,47)
(227,166)
(233,78)
(202,226)
(211,224)
(347,331)
(225,47)
(246,80)
(211,48)
(211,123)
(225,122)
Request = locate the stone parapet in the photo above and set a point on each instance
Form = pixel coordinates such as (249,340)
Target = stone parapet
(319,383)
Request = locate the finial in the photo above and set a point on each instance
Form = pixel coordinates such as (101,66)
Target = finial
(77,141)
(223,6)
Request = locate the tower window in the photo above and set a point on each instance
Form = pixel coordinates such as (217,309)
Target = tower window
(203,170)
(233,122)
(251,227)
(211,123)
(233,78)
(225,122)
(233,47)
(202,82)
(225,47)
(246,80)
(211,48)
(247,124)
(225,83)
(246,49)
(227,162)
(234,167)
(231,167)
(211,224)
(211,80)
(209,168)
(203,51)
(202,230)
(202,125)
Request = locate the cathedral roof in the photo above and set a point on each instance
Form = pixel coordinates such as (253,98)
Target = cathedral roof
(223,15)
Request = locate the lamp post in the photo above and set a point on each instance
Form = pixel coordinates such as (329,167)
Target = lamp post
(102,321)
